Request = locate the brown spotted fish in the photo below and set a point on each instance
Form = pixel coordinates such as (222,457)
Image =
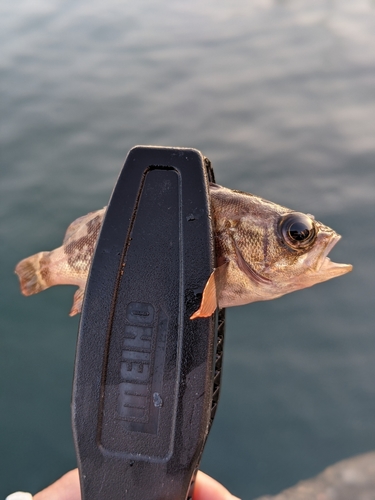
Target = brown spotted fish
(263,251)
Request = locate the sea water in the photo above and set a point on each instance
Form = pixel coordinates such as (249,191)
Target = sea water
(280,95)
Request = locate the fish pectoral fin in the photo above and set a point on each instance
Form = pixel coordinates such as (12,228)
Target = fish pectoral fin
(210,293)
(77,302)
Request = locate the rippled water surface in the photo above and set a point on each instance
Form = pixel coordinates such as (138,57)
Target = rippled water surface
(280,95)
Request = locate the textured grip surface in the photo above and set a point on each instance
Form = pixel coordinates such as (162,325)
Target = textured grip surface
(146,376)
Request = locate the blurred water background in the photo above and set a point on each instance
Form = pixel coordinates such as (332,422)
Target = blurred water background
(280,95)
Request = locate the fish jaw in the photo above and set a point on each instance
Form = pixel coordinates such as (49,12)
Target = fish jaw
(327,271)
(323,269)
(334,269)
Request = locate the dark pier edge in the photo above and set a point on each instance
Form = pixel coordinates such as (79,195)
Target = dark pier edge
(350,479)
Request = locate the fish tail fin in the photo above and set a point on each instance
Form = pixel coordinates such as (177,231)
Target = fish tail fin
(33,273)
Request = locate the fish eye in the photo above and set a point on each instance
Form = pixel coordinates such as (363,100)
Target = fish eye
(297,230)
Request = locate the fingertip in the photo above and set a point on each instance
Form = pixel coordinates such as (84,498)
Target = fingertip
(207,488)
(65,488)
(19,495)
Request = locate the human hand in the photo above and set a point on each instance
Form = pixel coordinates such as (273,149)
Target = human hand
(67,488)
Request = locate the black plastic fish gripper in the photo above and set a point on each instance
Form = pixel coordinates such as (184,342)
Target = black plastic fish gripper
(147,378)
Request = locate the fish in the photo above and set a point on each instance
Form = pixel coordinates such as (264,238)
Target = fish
(263,251)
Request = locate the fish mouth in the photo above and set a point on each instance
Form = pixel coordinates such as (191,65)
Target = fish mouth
(329,268)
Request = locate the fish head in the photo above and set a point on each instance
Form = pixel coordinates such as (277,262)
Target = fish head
(298,257)
(270,250)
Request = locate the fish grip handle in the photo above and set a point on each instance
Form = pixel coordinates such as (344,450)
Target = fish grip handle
(147,378)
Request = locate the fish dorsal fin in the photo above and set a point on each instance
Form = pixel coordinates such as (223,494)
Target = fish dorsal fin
(79,224)
(210,293)
(74,226)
